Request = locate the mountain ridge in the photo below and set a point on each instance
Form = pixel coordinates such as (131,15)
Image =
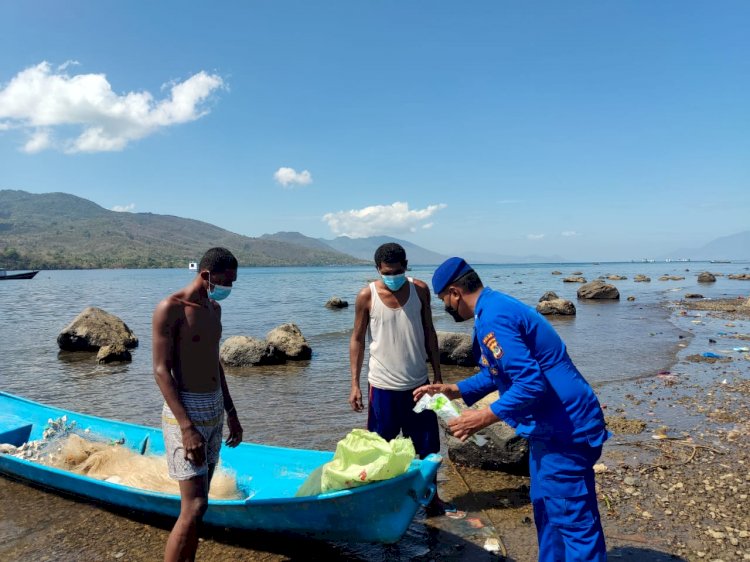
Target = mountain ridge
(64,231)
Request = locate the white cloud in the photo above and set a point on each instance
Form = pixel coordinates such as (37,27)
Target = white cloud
(39,140)
(124,208)
(290,176)
(39,100)
(535,236)
(380,219)
(569,233)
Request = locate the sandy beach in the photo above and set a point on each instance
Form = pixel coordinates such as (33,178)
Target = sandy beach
(673,480)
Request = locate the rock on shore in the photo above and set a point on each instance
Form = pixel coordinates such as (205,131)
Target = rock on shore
(598,290)
(94,328)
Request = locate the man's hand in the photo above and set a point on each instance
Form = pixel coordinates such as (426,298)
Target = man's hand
(235,429)
(194,445)
(355,400)
(470,421)
(450,390)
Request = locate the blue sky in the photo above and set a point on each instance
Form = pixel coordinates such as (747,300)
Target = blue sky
(589,130)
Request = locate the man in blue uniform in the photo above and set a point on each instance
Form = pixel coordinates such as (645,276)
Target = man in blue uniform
(542,396)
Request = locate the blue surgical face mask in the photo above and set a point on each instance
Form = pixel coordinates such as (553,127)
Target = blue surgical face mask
(394,282)
(219,293)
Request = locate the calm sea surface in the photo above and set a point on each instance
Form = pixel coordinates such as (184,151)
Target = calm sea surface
(304,404)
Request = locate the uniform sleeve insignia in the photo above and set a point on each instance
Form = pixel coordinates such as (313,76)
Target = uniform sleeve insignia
(484,361)
(491,343)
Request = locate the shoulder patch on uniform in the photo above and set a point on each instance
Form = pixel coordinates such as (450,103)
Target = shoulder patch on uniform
(491,342)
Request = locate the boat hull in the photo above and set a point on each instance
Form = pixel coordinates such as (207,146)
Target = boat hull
(268,476)
(27,275)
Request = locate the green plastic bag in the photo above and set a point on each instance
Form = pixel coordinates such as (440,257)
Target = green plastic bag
(360,458)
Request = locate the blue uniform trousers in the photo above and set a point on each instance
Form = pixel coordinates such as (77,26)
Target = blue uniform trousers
(563,496)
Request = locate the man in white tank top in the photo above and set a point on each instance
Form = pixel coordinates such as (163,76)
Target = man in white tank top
(394,312)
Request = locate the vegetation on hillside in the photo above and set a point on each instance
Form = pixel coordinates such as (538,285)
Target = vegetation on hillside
(62,231)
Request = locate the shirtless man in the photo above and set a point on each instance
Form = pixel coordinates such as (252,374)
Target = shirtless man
(186,332)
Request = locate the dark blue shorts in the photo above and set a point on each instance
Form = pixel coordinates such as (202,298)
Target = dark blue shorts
(390,412)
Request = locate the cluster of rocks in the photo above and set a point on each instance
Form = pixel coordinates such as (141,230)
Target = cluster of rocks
(97,330)
(283,343)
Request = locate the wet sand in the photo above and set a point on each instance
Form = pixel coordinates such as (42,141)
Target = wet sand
(674,483)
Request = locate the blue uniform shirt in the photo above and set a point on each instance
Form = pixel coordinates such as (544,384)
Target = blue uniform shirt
(542,394)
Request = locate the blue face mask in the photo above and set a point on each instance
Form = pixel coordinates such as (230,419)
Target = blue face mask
(219,293)
(394,282)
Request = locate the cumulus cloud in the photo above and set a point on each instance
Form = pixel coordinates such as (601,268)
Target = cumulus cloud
(290,177)
(380,219)
(88,115)
(569,233)
(535,236)
(124,208)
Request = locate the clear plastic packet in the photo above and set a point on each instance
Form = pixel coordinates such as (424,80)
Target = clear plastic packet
(446,410)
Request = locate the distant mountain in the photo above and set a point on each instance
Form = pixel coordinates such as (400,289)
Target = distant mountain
(62,231)
(733,247)
(364,248)
(298,239)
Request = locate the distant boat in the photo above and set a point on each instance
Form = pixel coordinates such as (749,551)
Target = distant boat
(721,261)
(193,266)
(28,275)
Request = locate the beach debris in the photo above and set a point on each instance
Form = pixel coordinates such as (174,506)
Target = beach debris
(711,355)
(600,467)
(711,340)
(743,349)
(660,433)
(492,545)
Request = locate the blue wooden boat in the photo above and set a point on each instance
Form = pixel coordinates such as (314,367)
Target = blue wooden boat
(267,476)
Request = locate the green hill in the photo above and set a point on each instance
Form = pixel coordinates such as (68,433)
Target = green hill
(62,231)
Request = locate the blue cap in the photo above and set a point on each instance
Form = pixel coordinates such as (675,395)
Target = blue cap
(447,272)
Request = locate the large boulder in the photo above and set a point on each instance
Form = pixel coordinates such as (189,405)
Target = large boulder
(244,351)
(504,451)
(740,276)
(562,307)
(288,339)
(706,277)
(671,278)
(574,280)
(94,328)
(598,290)
(455,349)
(640,278)
(615,277)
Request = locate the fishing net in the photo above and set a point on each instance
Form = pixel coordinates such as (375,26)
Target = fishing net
(66,447)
